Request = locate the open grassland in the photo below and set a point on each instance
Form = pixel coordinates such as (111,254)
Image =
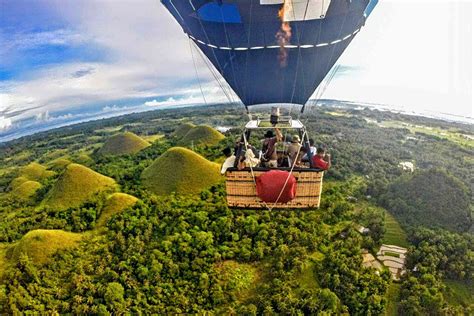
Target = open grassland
(123,144)
(339,114)
(39,245)
(242,279)
(459,292)
(307,277)
(393,299)
(153,138)
(116,203)
(112,129)
(182,171)
(77,185)
(394,234)
(19,157)
(448,134)
(54,154)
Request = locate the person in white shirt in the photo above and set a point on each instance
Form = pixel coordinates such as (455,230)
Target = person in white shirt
(312,149)
(230,160)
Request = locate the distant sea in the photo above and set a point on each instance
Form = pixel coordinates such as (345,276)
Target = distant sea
(59,119)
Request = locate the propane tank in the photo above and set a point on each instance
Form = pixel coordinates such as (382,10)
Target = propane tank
(275,115)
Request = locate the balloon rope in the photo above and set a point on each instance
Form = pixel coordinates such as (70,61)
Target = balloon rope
(196,71)
(221,70)
(253,173)
(290,173)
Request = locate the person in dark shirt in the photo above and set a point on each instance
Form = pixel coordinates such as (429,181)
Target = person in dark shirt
(322,160)
(269,152)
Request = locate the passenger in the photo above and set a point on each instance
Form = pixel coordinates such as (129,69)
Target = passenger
(269,152)
(230,160)
(312,149)
(322,160)
(248,159)
(294,150)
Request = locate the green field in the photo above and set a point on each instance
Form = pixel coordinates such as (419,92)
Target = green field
(394,234)
(393,298)
(448,134)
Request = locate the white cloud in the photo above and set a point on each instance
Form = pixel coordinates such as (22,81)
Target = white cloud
(403,56)
(5,123)
(43,116)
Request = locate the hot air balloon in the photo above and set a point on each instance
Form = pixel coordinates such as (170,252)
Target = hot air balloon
(272,52)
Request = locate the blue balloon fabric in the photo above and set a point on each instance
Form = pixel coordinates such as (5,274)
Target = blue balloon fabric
(272,51)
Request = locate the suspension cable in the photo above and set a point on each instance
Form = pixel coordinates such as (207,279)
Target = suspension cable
(196,71)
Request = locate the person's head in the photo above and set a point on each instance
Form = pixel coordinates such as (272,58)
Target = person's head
(227,152)
(311,142)
(269,134)
(321,152)
(295,139)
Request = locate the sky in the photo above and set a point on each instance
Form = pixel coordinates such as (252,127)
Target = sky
(64,61)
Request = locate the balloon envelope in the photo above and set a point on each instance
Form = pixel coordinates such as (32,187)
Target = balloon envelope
(272,51)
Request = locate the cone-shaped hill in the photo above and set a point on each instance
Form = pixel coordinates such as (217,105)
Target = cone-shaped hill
(24,186)
(201,135)
(123,144)
(116,203)
(180,170)
(39,245)
(59,164)
(182,130)
(75,186)
(26,190)
(35,171)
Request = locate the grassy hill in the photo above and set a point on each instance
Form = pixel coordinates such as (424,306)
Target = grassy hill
(41,244)
(75,186)
(201,135)
(35,171)
(59,164)
(26,190)
(182,130)
(123,144)
(116,203)
(18,181)
(180,170)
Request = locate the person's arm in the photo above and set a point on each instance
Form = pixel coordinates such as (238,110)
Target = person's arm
(328,159)
(279,135)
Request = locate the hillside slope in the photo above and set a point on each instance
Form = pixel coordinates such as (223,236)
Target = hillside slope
(75,186)
(201,135)
(180,170)
(41,244)
(123,144)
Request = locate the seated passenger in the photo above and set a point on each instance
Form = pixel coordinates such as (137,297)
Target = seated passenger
(312,150)
(230,160)
(322,160)
(247,158)
(269,152)
(294,150)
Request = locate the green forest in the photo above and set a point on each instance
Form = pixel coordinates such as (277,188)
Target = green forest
(128,215)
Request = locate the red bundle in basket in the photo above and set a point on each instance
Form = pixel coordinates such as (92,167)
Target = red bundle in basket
(271,185)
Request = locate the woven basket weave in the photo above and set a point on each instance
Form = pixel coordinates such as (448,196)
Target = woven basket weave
(241,191)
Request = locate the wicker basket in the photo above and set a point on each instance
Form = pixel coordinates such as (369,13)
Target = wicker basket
(241,192)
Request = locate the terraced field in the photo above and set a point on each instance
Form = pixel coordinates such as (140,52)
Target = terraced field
(394,234)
